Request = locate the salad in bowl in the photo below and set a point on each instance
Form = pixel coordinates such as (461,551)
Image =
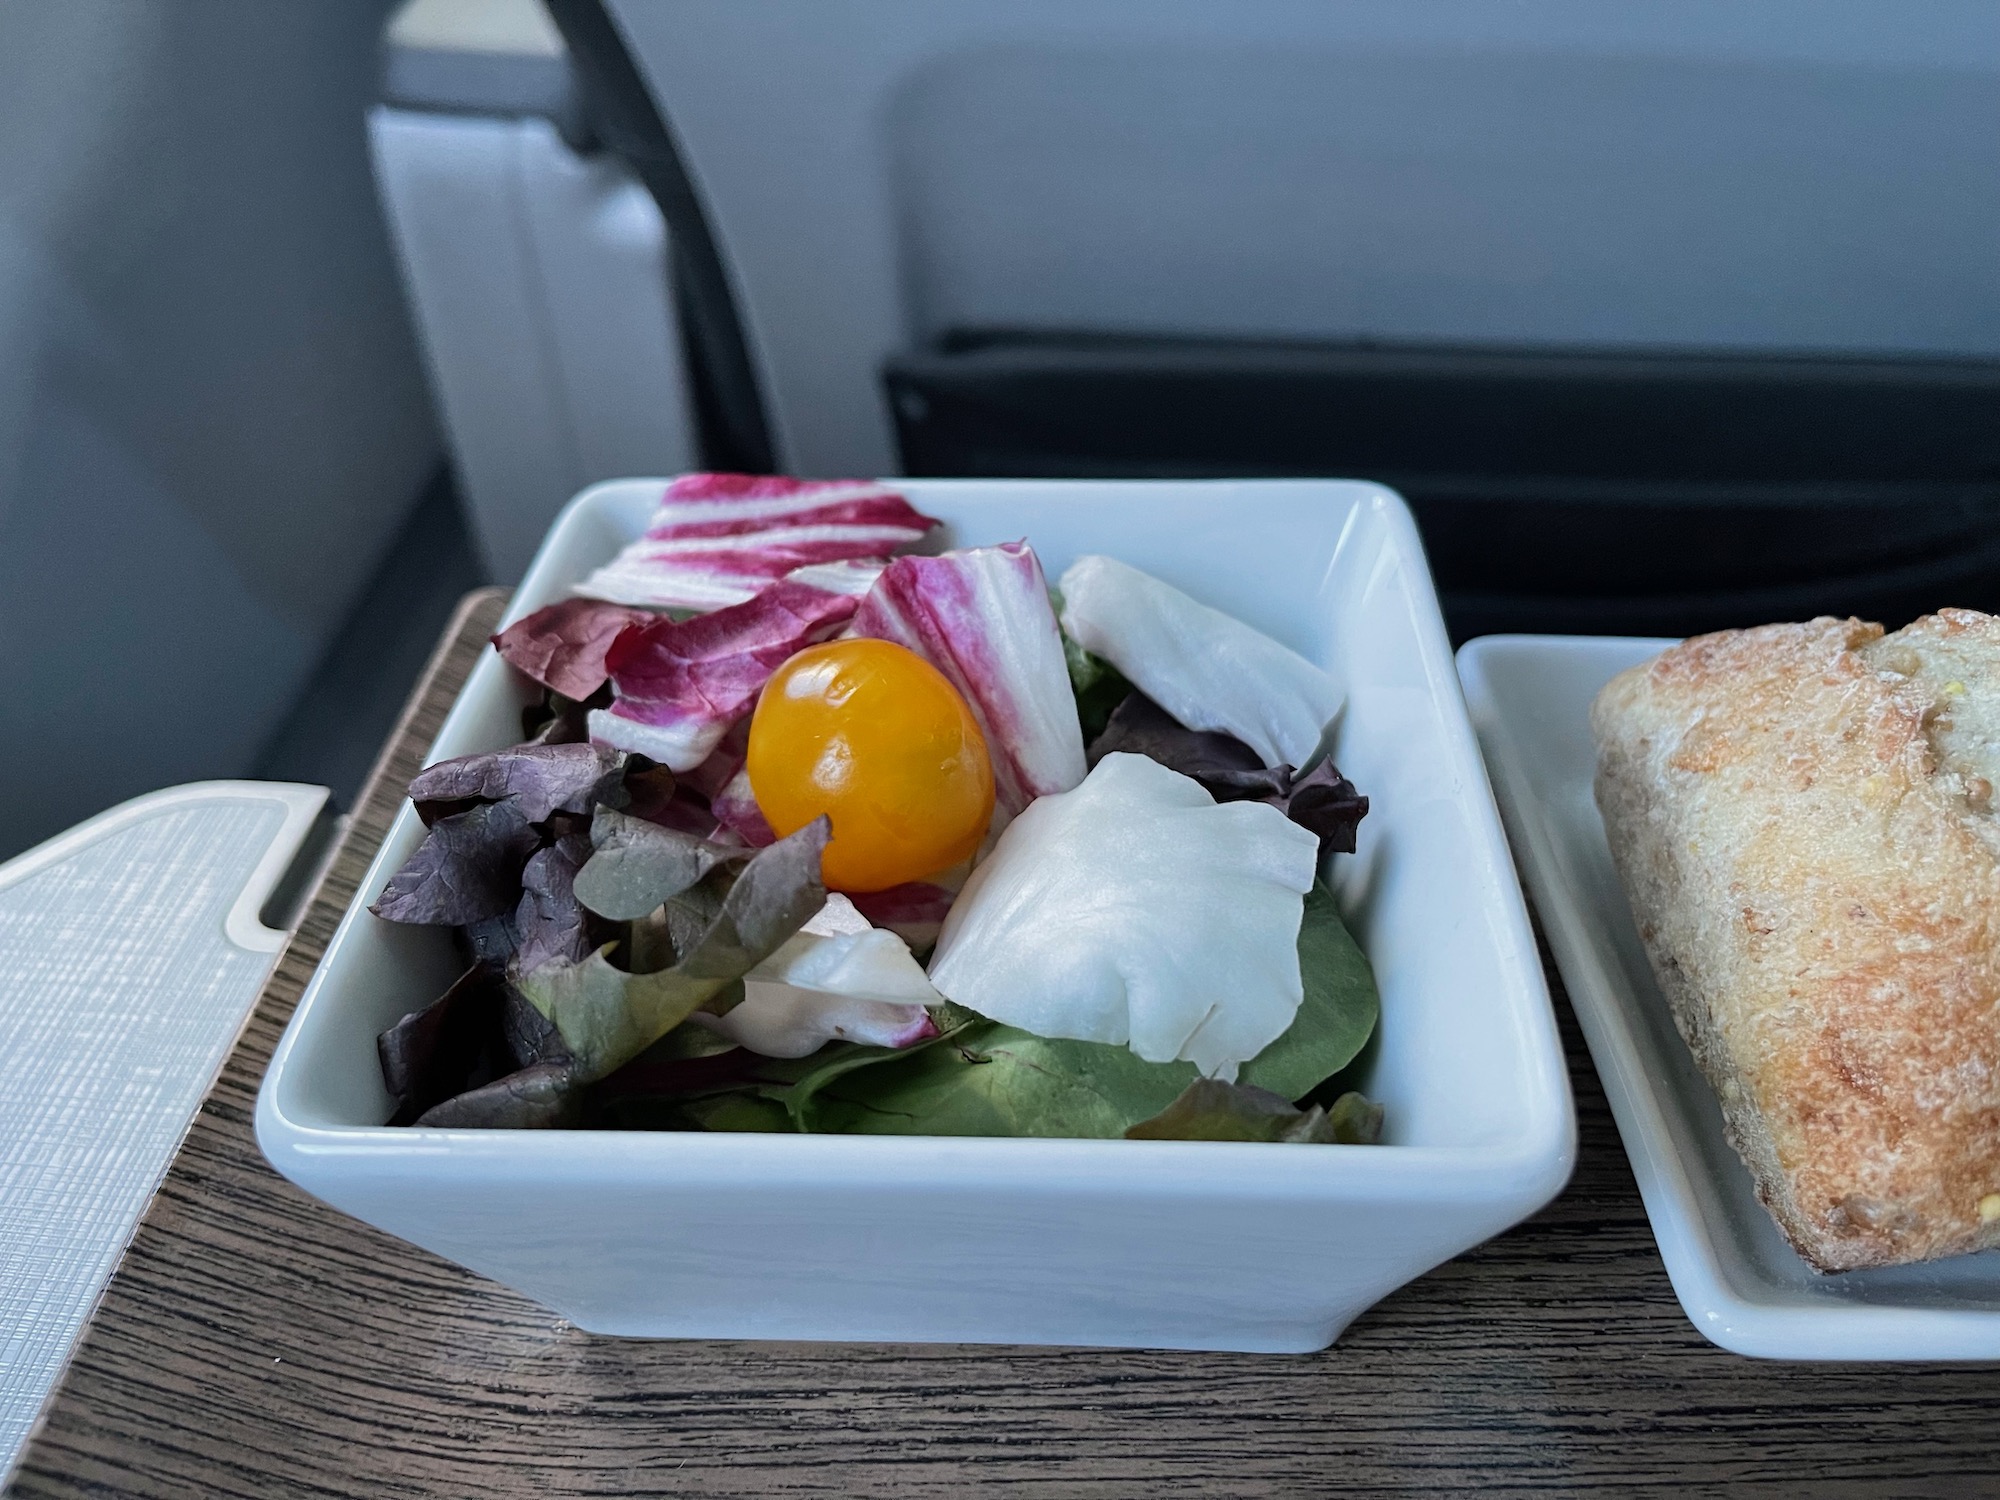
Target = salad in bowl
(817,827)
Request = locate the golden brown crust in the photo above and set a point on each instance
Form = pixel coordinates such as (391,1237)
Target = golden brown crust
(1802,818)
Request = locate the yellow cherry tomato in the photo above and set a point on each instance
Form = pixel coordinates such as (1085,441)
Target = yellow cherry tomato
(872,735)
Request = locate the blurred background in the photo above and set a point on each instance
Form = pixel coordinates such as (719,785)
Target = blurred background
(1665,316)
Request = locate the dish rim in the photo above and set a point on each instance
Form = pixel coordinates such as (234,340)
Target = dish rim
(1731,1314)
(1534,1162)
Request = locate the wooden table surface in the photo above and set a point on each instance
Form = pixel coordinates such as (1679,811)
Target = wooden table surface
(256,1343)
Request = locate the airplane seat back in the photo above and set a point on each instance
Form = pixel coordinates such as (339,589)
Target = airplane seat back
(212,419)
(979,238)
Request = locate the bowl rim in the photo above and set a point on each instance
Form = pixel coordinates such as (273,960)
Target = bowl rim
(1533,1162)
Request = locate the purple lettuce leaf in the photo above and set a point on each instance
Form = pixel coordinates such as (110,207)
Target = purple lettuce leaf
(982,617)
(557,720)
(1227,768)
(1323,802)
(538,779)
(550,920)
(681,684)
(446,1047)
(467,869)
(1326,803)
(1206,668)
(479,1056)
(1097,686)
(647,791)
(562,645)
(492,940)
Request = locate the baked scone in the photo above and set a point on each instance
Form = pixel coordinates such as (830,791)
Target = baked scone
(1804,820)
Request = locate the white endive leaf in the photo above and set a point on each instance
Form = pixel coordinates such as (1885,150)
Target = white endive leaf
(1134,909)
(837,979)
(1208,669)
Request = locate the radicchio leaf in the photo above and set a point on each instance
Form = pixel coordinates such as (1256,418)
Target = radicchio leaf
(982,617)
(915,912)
(735,808)
(719,539)
(562,645)
(607,1016)
(724,781)
(1208,669)
(467,869)
(538,779)
(681,684)
(723,763)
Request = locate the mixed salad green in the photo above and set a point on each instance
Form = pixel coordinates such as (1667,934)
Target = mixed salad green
(706,891)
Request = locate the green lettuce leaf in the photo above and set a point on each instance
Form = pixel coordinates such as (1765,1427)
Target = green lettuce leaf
(983,1078)
(738,1111)
(989,1079)
(1210,1110)
(607,1016)
(541,1097)
(637,865)
(979,1077)
(1337,1014)
(1356,1120)
(1097,686)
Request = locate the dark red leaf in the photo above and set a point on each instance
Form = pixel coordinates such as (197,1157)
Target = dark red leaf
(562,645)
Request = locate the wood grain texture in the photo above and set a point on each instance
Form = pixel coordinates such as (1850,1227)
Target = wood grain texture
(255,1343)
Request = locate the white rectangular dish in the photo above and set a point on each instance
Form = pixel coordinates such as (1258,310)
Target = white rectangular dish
(1201,1245)
(1738,1280)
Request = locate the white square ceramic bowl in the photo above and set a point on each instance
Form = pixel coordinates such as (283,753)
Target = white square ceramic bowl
(1738,1280)
(1198,1245)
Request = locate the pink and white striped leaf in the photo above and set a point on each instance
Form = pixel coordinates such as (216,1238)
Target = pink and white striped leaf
(735,808)
(678,685)
(719,539)
(914,912)
(982,617)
